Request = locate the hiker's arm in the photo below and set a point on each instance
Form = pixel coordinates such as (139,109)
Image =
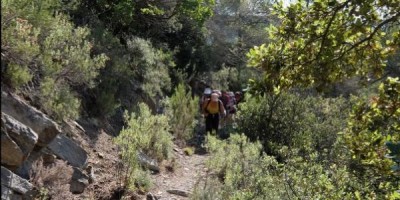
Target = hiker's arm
(203,108)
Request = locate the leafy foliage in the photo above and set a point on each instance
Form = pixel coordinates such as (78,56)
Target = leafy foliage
(151,66)
(181,110)
(245,172)
(292,119)
(146,133)
(19,47)
(176,24)
(52,53)
(66,65)
(223,78)
(324,42)
(240,167)
(372,123)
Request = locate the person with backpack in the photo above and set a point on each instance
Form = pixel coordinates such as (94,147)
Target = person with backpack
(206,96)
(212,110)
(229,102)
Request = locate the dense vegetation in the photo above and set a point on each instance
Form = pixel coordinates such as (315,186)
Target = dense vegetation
(321,118)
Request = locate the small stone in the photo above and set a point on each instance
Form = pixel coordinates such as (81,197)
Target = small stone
(179,192)
(100,155)
(151,196)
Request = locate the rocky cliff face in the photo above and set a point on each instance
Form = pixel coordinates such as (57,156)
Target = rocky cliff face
(29,136)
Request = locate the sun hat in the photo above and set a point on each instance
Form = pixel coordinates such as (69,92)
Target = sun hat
(207,91)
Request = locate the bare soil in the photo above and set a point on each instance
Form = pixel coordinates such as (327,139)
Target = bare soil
(189,170)
(181,174)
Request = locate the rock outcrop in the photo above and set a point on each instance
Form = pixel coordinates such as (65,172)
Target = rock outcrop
(68,150)
(17,138)
(46,128)
(28,135)
(14,187)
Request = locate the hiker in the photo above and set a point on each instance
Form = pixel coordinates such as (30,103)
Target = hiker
(212,110)
(206,96)
(238,97)
(229,102)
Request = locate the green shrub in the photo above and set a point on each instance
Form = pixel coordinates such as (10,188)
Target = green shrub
(243,171)
(18,75)
(58,101)
(224,78)
(19,45)
(146,133)
(304,122)
(136,72)
(373,123)
(142,180)
(231,78)
(44,46)
(150,65)
(181,110)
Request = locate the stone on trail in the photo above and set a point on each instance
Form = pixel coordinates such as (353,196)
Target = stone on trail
(179,192)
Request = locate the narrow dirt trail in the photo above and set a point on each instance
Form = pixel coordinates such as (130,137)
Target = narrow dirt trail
(188,171)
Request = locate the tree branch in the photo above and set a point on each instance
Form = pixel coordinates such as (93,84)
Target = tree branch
(370,36)
(324,36)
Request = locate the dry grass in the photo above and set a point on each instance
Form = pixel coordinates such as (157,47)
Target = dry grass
(51,180)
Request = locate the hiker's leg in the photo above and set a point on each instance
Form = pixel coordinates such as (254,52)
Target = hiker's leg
(216,123)
(209,124)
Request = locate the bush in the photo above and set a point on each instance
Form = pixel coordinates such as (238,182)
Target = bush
(59,103)
(305,122)
(224,78)
(373,123)
(146,133)
(52,180)
(19,46)
(150,65)
(246,173)
(181,110)
(46,48)
(240,170)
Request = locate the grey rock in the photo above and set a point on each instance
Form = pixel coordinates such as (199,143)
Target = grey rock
(22,135)
(45,128)
(6,193)
(14,182)
(179,192)
(69,151)
(79,181)
(147,162)
(11,154)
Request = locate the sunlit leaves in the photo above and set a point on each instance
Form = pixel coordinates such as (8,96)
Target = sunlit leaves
(325,42)
(371,125)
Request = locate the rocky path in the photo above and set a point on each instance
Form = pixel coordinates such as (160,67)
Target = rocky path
(179,183)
